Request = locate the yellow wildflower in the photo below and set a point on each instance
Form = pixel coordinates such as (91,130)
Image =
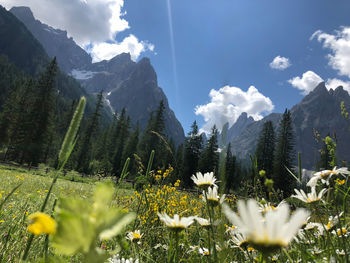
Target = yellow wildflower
(339,182)
(41,223)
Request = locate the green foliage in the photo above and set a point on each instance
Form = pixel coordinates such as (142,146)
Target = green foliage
(209,159)
(151,140)
(284,156)
(265,148)
(231,173)
(192,150)
(70,138)
(81,225)
(84,145)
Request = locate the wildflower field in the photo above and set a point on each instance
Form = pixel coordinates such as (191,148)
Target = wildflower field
(96,222)
(53,217)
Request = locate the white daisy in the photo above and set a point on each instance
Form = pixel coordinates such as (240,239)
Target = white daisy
(177,223)
(325,175)
(333,221)
(203,222)
(204,181)
(265,207)
(271,231)
(309,197)
(117,259)
(340,252)
(204,251)
(239,240)
(341,232)
(134,236)
(312,226)
(212,197)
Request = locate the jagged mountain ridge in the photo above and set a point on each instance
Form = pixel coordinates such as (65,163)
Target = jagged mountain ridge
(126,84)
(55,41)
(319,110)
(24,51)
(236,129)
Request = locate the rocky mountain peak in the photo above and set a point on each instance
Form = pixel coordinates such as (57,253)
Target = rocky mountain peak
(55,41)
(340,93)
(24,12)
(242,122)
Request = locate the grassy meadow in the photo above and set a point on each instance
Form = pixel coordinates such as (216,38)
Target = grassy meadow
(205,231)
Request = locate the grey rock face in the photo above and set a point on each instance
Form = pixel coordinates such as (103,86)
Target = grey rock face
(56,42)
(245,143)
(242,122)
(140,95)
(126,84)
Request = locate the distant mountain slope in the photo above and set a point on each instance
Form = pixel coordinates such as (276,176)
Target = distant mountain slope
(126,84)
(319,110)
(19,45)
(236,129)
(140,95)
(245,143)
(27,54)
(56,43)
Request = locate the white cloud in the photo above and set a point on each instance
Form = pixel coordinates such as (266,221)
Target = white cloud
(228,103)
(307,82)
(310,80)
(280,63)
(335,83)
(90,22)
(129,44)
(339,43)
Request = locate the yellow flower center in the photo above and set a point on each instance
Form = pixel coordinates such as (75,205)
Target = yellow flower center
(136,235)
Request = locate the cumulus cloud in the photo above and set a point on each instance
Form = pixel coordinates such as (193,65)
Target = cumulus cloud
(228,103)
(339,44)
(335,83)
(129,44)
(280,63)
(90,22)
(310,80)
(307,82)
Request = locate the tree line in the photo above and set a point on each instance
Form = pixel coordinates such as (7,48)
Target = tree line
(34,118)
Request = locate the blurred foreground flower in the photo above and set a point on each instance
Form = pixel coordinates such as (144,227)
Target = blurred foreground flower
(177,223)
(310,197)
(41,223)
(268,232)
(325,175)
(204,181)
(80,224)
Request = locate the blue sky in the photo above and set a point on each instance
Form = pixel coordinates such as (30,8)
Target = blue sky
(217,47)
(229,42)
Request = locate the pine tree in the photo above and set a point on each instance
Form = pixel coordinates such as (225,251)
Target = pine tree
(284,156)
(209,159)
(231,181)
(42,114)
(265,149)
(84,152)
(152,137)
(192,151)
(123,135)
(179,163)
(16,120)
(131,148)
